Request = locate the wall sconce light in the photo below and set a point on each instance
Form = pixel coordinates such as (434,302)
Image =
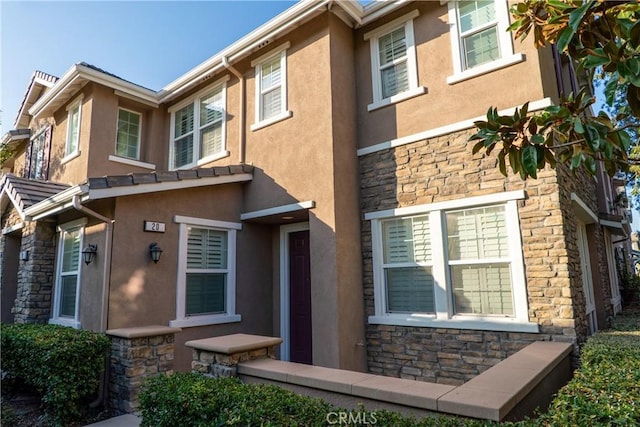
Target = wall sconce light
(155,251)
(24,255)
(89,253)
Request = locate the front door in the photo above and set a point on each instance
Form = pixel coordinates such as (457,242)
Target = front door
(300,297)
(587,278)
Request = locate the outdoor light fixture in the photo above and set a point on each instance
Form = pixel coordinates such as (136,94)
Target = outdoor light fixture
(155,251)
(88,253)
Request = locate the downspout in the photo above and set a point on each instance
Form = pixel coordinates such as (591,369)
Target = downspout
(241,118)
(106,277)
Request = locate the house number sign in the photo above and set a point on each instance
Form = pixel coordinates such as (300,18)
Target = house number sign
(153,226)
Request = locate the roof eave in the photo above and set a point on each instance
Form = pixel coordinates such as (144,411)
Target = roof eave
(55,203)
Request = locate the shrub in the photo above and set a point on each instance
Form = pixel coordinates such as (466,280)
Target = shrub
(63,364)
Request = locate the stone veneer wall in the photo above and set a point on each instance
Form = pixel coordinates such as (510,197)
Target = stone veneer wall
(136,354)
(35,276)
(443,168)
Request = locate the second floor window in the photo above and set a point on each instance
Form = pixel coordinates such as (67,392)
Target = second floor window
(37,164)
(198,129)
(73,128)
(128,134)
(271,87)
(394,72)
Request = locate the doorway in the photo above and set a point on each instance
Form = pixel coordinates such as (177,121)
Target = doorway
(295,294)
(9,284)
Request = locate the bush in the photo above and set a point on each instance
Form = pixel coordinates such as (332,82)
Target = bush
(604,390)
(63,364)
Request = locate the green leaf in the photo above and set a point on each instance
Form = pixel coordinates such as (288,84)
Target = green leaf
(537,139)
(575,18)
(529,159)
(633,98)
(590,165)
(501,163)
(477,147)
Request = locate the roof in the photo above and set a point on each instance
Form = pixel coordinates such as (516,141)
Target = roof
(38,84)
(111,186)
(24,192)
(350,11)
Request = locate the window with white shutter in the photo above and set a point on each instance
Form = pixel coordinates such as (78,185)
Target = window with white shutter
(198,128)
(67,284)
(271,87)
(206,272)
(393,62)
(480,42)
(74,116)
(455,264)
(128,134)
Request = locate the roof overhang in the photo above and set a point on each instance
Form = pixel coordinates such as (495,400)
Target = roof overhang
(78,76)
(64,200)
(38,84)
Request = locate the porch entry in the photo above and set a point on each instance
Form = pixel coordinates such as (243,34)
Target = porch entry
(587,278)
(295,291)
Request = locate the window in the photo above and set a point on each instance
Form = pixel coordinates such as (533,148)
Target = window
(67,287)
(479,40)
(393,62)
(128,134)
(452,264)
(71,148)
(206,272)
(37,162)
(198,128)
(271,87)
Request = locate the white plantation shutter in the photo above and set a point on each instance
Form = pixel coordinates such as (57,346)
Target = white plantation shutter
(407,265)
(271,88)
(73,132)
(393,62)
(184,120)
(479,261)
(211,118)
(478,32)
(69,267)
(206,271)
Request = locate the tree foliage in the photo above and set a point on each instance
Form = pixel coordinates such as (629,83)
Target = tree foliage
(599,36)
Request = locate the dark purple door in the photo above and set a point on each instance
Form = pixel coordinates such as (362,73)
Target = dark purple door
(300,297)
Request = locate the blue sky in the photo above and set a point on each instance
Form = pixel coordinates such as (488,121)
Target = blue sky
(150,43)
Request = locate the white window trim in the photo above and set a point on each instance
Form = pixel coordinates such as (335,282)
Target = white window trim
(257,64)
(131,162)
(443,316)
(137,158)
(56,319)
(412,68)
(182,320)
(72,106)
(194,99)
(507,56)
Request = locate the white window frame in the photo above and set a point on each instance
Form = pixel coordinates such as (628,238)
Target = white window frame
(56,319)
(139,136)
(182,320)
(257,63)
(505,43)
(36,168)
(69,151)
(220,84)
(444,317)
(374,36)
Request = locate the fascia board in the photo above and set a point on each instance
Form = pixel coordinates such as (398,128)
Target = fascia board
(64,81)
(130,190)
(377,10)
(241,47)
(54,203)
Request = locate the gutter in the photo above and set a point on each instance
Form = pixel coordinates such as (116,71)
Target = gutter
(242,125)
(106,277)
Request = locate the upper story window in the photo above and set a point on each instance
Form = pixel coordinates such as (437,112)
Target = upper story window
(206,272)
(128,134)
(198,128)
(72,144)
(480,41)
(37,164)
(393,62)
(453,264)
(271,87)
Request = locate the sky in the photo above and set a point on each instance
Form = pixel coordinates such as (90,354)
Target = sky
(150,43)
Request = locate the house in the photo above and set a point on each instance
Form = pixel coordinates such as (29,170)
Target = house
(312,181)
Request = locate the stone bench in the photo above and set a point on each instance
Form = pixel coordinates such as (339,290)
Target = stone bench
(511,389)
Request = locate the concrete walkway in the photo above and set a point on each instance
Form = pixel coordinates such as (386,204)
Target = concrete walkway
(121,421)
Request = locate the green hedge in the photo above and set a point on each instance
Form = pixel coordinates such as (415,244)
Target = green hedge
(63,364)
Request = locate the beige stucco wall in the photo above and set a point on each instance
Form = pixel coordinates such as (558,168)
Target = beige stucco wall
(443,103)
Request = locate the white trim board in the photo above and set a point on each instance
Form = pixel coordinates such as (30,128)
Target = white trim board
(444,130)
(310,204)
